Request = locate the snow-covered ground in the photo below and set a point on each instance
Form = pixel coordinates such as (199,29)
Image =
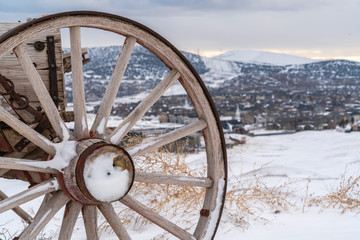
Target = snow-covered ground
(293,174)
(308,165)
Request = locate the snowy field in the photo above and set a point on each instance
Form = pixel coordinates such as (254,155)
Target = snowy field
(305,165)
(279,187)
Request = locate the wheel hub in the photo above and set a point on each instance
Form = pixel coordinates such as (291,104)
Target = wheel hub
(102,172)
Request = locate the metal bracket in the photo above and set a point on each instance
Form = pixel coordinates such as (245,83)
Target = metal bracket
(52,69)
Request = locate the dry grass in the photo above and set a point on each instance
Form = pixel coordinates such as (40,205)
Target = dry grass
(180,203)
(345,197)
(251,199)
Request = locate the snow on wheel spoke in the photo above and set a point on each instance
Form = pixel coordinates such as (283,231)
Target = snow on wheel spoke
(155,143)
(46,212)
(26,131)
(81,128)
(109,213)
(110,94)
(174,180)
(116,136)
(162,222)
(90,220)
(71,214)
(26,165)
(18,210)
(40,89)
(29,194)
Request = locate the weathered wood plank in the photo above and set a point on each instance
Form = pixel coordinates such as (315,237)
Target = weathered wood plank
(71,214)
(113,87)
(10,67)
(28,195)
(113,219)
(149,214)
(6,26)
(90,221)
(25,165)
(45,213)
(81,127)
(153,144)
(3,171)
(18,210)
(140,110)
(27,131)
(173,180)
(41,91)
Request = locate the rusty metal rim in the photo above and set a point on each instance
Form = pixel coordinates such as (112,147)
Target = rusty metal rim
(26,25)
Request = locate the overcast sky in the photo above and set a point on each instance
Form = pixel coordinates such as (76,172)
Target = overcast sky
(310,28)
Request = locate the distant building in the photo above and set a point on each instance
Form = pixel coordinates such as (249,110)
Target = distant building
(237,114)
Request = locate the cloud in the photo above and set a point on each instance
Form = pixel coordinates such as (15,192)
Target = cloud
(142,6)
(223,24)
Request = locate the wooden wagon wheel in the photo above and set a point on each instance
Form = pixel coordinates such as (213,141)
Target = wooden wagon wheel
(79,150)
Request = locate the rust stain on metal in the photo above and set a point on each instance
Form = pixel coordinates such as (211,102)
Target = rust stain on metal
(204,212)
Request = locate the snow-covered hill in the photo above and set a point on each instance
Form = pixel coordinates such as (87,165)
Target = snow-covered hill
(261,57)
(220,74)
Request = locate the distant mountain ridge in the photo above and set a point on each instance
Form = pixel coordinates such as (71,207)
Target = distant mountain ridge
(261,57)
(145,70)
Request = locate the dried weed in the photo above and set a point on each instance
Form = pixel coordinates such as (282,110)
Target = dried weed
(346,196)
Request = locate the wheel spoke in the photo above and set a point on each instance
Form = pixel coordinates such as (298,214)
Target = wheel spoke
(41,91)
(109,213)
(26,165)
(71,214)
(174,180)
(90,221)
(110,94)
(26,131)
(149,214)
(18,210)
(81,128)
(143,107)
(155,143)
(46,212)
(3,171)
(28,195)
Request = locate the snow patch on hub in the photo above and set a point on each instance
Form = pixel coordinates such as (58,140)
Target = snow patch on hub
(104,181)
